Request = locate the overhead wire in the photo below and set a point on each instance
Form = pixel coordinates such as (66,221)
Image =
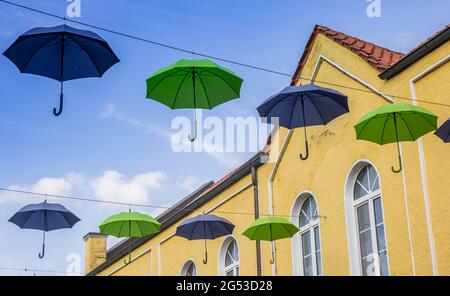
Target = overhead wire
(217,58)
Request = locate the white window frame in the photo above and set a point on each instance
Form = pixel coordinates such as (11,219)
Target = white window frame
(223,270)
(297,245)
(186,266)
(352,219)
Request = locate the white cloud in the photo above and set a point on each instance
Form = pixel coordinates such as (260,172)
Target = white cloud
(113,186)
(54,186)
(189,183)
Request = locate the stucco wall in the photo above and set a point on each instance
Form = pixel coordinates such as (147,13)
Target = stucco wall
(333,152)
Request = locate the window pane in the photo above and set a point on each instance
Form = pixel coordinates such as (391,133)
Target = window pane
(237,271)
(232,254)
(363,217)
(381,240)
(307,266)
(313,209)
(384,263)
(363,178)
(369,267)
(191,270)
(318,252)
(317,238)
(230,273)
(365,241)
(359,192)
(374,184)
(378,211)
(305,212)
(319,262)
(306,244)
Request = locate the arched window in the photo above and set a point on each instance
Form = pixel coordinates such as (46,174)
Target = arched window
(189,269)
(306,244)
(229,258)
(367,223)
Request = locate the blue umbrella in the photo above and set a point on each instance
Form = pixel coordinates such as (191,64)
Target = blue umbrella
(62,53)
(444,132)
(302,106)
(44,216)
(204,227)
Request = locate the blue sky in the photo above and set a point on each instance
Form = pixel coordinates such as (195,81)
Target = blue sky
(110,142)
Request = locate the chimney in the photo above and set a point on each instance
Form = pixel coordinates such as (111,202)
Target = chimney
(95,251)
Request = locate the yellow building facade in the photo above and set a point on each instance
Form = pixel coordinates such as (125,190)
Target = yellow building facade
(345,198)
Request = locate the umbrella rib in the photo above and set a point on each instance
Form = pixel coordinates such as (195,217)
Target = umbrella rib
(280,100)
(140,229)
(226,82)
(179,88)
(87,53)
(28,217)
(34,54)
(315,107)
(159,82)
(194,228)
(426,119)
(204,89)
(407,126)
(292,111)
(120,229)
(384,127)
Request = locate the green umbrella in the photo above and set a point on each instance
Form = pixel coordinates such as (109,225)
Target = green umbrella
(394,123)
(271,229)
(193,84)
(130,224)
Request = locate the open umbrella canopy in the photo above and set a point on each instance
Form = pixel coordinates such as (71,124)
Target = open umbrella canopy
(444,132)
(204,227)
(270,229)
(130,224)
(394,123)
(193,84)
(303,106)
(61,53)
(44,216)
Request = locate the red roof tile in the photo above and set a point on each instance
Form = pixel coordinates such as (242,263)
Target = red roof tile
(379,57)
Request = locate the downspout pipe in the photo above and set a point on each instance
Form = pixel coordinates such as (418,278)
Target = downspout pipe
(423,167)
(270,189)
(256,204)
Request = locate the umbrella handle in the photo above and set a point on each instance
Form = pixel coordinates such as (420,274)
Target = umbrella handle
(205,261)
(307,152)
(400,164)
(41,255)
(272,260)
(61,103)
(193,136)
(129,259)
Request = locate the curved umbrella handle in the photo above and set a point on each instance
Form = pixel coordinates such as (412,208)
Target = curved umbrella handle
(129,259)
(61,104)
(41,255)
(193,136)
(307,152)
(272,260)
(400,164)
